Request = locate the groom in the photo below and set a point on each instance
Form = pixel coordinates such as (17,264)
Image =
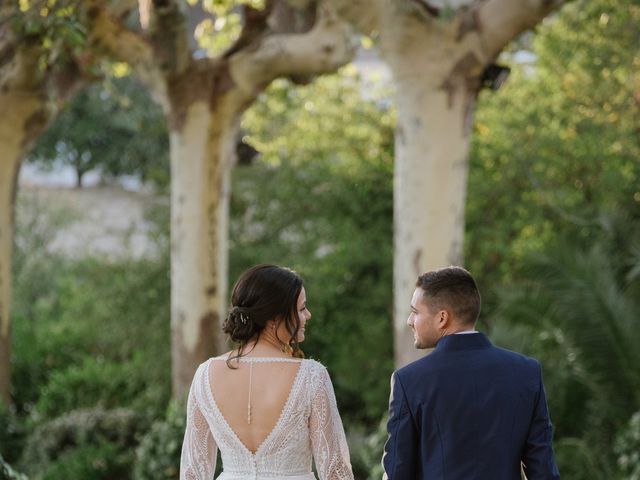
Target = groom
(468,410)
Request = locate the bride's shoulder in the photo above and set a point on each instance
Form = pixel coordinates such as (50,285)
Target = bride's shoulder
(204,366)
(315,367)
(311,363)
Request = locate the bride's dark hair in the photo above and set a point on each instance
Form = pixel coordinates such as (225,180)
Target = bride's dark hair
(263,293)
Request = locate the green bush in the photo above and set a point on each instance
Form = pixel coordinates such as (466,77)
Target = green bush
(68,442)
(366,450)
(158,455)
(8,473)
(96,324)
(88,333)
(95,383)
(103,461)
(628,449)
(12,434)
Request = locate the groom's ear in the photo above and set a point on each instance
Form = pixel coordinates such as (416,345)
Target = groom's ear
(443,319)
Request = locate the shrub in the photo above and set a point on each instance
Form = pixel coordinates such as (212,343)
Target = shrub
(12,434)
(67,443)
(104,461)
(366,451)
(93,383)
(158,455)
(628,449)
(87,334)
(8,473)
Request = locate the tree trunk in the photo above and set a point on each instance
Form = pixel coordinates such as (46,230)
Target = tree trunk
(202,155)
(16,132)
(429,188)
(79,174)
(7,196)
(435,99)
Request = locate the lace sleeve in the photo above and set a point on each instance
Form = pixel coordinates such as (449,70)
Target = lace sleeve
(199,450)
(330,450)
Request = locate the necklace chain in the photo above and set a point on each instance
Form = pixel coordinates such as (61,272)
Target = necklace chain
(285,349)
(249,401)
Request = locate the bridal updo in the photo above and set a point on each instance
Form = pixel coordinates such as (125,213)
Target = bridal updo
(263,293)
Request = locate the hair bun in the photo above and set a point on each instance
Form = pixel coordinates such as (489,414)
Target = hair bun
(238,325)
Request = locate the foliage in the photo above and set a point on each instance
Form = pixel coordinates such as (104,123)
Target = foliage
(12,433)
(366,448)
(97,382)
(553,223)
(113,127)
(101,461)
(54,26)
(556,148)
(85,443)
(579,315)
(628,448)
(87,333)
(85,317)
(35,269)
(8,473)
(218,32)
(324,189)
(158,455)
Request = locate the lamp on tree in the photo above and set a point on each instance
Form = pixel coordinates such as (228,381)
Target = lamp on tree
(494,76)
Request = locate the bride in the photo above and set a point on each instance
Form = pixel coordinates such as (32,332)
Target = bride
(267,409)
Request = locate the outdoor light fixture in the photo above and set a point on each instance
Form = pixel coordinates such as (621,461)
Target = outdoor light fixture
(494,76)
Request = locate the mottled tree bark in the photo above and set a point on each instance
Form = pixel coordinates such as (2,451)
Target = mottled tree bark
(429,195)
(7,196)
(201,159)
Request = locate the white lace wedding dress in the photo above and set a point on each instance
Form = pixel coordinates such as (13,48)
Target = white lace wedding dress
(309,427)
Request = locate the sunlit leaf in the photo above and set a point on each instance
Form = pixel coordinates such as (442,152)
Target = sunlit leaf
(120,69)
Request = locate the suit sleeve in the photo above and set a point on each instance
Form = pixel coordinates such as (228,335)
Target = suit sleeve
(401,451)
(538,459)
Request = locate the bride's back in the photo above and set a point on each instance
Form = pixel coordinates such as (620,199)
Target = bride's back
(264,384)
(269,414)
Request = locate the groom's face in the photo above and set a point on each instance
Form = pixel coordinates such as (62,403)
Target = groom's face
(423,320)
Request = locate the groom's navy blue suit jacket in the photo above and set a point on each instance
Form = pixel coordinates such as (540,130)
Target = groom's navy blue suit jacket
(469,411)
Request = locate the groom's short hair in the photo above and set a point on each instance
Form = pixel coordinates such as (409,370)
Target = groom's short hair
(452,288)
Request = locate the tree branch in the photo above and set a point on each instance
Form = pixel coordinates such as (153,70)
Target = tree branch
(364,15)
(111,38)
(500,21)
(169,36)
(323,49)
(120,8)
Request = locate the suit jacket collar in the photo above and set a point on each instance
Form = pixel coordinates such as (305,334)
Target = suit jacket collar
(452,343)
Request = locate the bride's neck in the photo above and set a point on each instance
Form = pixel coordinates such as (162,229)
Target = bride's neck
(266,344)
